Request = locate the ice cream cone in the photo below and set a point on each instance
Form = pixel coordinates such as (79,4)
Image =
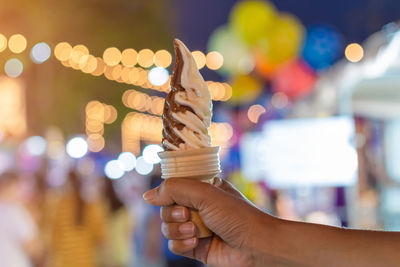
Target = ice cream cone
(199,164)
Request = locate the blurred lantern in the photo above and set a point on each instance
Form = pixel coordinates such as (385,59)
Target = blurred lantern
(322,47)
(251,19)
(294,79)
(280,44)
(245,89)
(236,55)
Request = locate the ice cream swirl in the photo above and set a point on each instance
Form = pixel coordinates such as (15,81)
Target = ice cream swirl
(188,106)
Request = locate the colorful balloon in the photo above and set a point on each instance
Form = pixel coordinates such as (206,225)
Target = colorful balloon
(295,79)
(322,47)
(251,19)
(283,42)
(245,89)
(237,56)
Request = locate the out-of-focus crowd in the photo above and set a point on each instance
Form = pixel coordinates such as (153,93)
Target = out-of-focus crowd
(83,223)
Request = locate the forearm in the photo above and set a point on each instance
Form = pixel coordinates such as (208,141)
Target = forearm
(295,243)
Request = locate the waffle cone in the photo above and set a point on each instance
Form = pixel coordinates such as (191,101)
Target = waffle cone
(199,164)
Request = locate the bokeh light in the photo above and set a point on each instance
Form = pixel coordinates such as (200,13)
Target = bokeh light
(127,161)
(143,167)
(150,153)
(254,113)
(40,52)
(95,142)
(63,51)
(3,42)
(100,67)
(158,76)
(145,58)
(162,58)
(214,60)
(77,147)
(200,59)
(17,43)
(112,170)
(129,57)
(13,67)
(36,145)
(354,52)
(112,56)
(279,100)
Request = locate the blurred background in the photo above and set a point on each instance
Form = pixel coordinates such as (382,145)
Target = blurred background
(306,111)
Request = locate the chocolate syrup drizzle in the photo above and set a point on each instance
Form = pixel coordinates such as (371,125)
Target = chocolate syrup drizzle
(171,106)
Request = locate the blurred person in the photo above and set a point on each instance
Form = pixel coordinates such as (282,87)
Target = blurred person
(147,236)
(247,236)
(78,228)
(19,246)
(120,225)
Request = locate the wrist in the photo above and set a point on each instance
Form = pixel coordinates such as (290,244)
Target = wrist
(270,243)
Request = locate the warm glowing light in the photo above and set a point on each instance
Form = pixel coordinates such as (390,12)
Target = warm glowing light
(100,67)
(158,76)
(36,145)
(110,114)
(17,43)
(63,51)
(127,161)
(142,77)
(82,48)
(228,92)
(112,170)
(112,56)
(214,60)
(162,58)
(143,167)
(88,64)
(254,113)
(95,142)
(129,57)
(40,52)
(3,42)
(134,75)
(354,52)
(13,67)
(279,100)
(12,111)
(125,74)
(77,147)
(146,58)
(200,59)
(108,72)
(116,72)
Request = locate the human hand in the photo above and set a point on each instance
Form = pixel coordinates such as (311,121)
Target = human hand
(225,211)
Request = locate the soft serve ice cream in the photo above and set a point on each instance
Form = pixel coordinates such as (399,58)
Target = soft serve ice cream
(188,106)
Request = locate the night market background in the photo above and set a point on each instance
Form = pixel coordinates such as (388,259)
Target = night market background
(306,112)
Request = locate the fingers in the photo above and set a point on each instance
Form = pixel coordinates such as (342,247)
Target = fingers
(178,231)
(174,213)
(184,192)
(183,247)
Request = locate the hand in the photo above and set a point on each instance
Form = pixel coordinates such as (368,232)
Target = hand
(224,210)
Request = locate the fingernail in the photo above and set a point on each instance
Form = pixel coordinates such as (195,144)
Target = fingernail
(189,242)
(186,228)
(149,195)
(178,213)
